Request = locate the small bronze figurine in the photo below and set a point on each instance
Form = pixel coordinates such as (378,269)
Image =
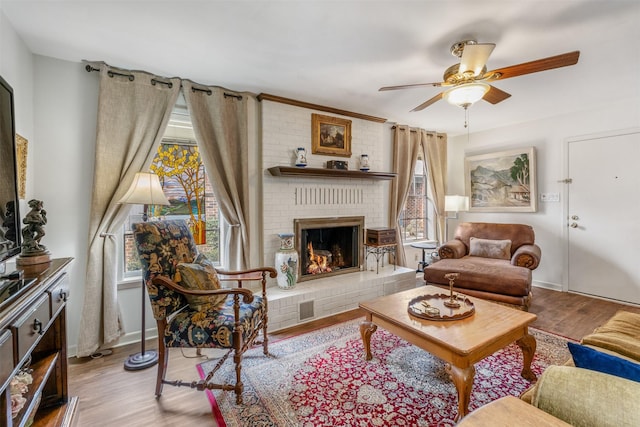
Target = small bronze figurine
(33,231)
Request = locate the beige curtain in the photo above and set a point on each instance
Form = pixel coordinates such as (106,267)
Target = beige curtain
(407,143)
(219,119)
(133,112)
(405,154)
(435,153)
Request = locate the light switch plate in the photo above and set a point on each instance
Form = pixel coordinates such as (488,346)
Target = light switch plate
(549,197)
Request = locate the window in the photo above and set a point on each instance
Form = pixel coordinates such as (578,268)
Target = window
(185,183)
(416,218)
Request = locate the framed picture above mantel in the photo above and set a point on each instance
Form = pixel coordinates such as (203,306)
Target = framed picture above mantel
(330,135)
(502,181)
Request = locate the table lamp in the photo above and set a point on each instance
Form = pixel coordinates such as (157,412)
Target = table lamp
(454,204)
(145,190)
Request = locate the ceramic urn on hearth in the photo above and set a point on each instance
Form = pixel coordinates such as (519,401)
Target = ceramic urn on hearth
(286,262)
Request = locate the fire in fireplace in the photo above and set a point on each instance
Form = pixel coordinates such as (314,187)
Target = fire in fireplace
(329,246)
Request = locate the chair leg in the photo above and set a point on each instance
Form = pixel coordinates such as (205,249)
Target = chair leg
(239,387)
(163,360)
(265,337)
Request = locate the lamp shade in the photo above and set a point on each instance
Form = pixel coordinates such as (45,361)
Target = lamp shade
(145,190)
(466,94)
(456,203)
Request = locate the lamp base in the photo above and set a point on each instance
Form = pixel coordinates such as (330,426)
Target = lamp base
(138,361)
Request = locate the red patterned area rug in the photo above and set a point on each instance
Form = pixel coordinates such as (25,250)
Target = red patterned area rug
(321,379)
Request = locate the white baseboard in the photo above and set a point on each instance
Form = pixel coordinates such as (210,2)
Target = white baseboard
(126,339)
(547,285)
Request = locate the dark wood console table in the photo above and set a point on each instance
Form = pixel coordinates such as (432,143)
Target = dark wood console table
(33,335)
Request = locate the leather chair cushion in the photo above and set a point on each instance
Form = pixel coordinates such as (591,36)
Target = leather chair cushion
(485,274)
(213,328)
(488,248)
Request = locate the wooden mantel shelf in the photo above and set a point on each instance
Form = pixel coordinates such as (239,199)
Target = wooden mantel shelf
(328,173)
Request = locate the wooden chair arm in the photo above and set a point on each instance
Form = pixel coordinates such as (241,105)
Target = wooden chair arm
(246,294)
(251,274)
(254,274)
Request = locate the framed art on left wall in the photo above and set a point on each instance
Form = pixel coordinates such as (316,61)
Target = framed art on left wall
(502,181)
(22,146)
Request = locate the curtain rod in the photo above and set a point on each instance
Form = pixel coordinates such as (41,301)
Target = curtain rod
(155,81)
(429,132)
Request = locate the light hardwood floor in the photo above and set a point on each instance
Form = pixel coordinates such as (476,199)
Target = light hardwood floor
(111,396)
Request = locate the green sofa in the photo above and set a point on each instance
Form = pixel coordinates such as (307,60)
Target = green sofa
(569,395)
(587,397)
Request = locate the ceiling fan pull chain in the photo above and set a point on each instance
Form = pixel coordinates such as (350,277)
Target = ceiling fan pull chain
(466,118)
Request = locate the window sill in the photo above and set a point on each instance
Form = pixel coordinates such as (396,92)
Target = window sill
(129,283)
(405,244)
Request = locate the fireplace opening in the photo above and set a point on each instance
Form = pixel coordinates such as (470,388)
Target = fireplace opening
(328,246)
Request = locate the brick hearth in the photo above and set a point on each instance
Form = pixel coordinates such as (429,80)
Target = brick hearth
(335,294)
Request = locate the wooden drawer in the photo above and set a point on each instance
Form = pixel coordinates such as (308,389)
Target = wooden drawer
(59,293)
(30,326)
(6,357)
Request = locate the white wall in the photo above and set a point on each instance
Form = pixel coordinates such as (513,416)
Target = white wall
(16,67)
(548,137)
(65,116)
(55,109)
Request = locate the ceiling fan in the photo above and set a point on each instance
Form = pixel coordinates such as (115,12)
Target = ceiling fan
(468,79)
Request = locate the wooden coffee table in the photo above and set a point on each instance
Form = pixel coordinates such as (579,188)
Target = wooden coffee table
(460,343)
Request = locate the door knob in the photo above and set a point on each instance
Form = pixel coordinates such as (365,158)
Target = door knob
(575,217)
(574,225)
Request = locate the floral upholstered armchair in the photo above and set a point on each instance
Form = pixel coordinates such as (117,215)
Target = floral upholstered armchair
(191,307)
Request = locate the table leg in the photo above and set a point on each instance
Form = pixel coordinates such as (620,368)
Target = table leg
(463,380)
(366,330)
(423,263)
(528,346)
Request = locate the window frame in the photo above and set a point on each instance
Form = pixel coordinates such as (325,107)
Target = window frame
(427,231)
(181,123)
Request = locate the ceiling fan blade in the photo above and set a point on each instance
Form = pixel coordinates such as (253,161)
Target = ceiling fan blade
(474,57)
(411,86)
(425,104)
(563,60)
(495,95)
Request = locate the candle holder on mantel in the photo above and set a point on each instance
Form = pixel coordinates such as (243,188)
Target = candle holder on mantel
(451,303)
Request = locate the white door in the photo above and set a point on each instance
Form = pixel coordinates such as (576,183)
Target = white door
(604,216)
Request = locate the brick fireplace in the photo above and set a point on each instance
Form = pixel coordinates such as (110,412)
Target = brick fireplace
(284,200)
(329,246)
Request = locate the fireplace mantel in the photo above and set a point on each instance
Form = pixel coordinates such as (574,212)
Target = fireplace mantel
(328,173)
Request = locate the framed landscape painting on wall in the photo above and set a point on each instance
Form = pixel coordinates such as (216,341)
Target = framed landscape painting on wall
(503,181)
(330,135)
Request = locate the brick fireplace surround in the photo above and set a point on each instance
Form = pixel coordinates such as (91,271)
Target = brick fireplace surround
(284,199)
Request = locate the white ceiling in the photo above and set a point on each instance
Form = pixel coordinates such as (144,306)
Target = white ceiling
(338,53)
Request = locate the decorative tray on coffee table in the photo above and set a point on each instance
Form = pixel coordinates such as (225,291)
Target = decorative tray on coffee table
(439,307)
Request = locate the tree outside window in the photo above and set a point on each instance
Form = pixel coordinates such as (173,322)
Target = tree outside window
(181,173)
(186,185)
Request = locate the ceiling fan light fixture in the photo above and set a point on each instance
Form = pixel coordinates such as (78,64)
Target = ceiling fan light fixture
(466,94)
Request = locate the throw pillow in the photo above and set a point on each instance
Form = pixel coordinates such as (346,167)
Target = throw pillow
(487,248)
(200,275)
(589,358)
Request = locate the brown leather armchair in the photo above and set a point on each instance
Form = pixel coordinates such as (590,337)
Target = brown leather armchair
(493,261)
